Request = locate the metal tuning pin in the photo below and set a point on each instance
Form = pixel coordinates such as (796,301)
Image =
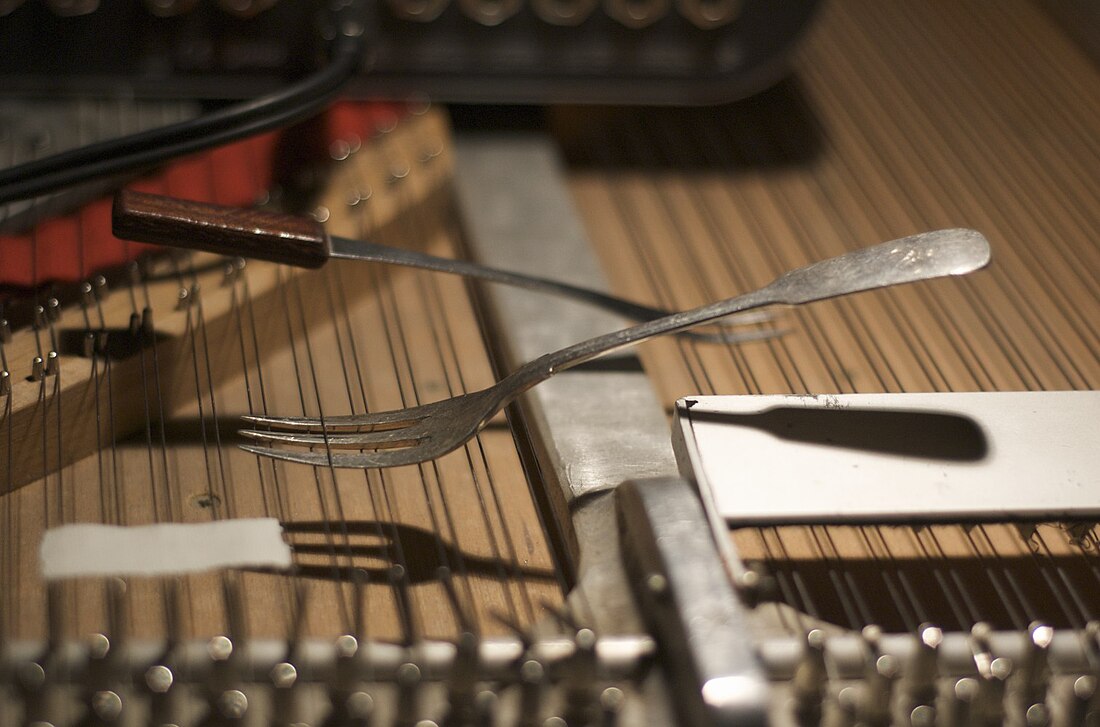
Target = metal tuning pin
(408,693)
(709,14)
(580,679)
(877,691)
(5,382)
(36,693)
(43,699)
(423,11)
(102,683)
(532,685)
(921,674)
(106,675)
(963,695)
(5,331)
(72,8)
(227,704)
(1083,707)
(38,369)
(285,695)
(612,700)
(490,12)
(462,707)
(164,697)
(169,8)
(245,8)
(637,13)
(1033,676)
(564,12)
(810,681)
(986,698)
(350,705)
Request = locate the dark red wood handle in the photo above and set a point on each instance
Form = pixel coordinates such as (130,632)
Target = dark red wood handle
(250,233)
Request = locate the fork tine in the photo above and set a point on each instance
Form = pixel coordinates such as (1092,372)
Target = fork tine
(380,439)
(380,420)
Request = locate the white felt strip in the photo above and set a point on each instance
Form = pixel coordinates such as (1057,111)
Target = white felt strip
(166,549)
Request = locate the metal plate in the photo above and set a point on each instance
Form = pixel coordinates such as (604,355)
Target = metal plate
(1003,456)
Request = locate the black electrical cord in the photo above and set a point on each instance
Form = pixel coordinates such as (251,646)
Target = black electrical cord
(237,121)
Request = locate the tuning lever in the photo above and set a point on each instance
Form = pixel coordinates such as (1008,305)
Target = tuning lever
(250,233)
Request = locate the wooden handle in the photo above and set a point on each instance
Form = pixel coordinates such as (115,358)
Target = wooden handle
(250,233)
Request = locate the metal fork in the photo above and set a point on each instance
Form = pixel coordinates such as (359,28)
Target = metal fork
(421,433)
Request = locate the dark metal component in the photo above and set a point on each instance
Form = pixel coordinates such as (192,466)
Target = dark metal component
(690,604)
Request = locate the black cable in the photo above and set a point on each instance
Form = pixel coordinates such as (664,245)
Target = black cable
(148,148)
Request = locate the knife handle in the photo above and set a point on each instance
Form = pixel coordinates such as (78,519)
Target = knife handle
(249,233)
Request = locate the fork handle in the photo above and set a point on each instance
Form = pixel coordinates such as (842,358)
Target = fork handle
(251,233)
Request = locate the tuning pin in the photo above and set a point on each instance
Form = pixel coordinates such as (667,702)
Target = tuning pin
(164,699)
(5,383)
(223,676)
(987,704)
(350,705)
(709,14)
(245,8)
(285,701)
(104,708)
(878,684)
(423,11)
(169,8)
(72,8)
(532,680)
(612,700)
(922,671)
(358,710)
(989,707)
(636,13)
(227,708)
(580,678)
(1033,675)
(408,692)
(564,12)
(963,696)
(461,697)
(1083,707)
(5,331)
(490,12)
(810,680)
(105,705)
(39,697)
